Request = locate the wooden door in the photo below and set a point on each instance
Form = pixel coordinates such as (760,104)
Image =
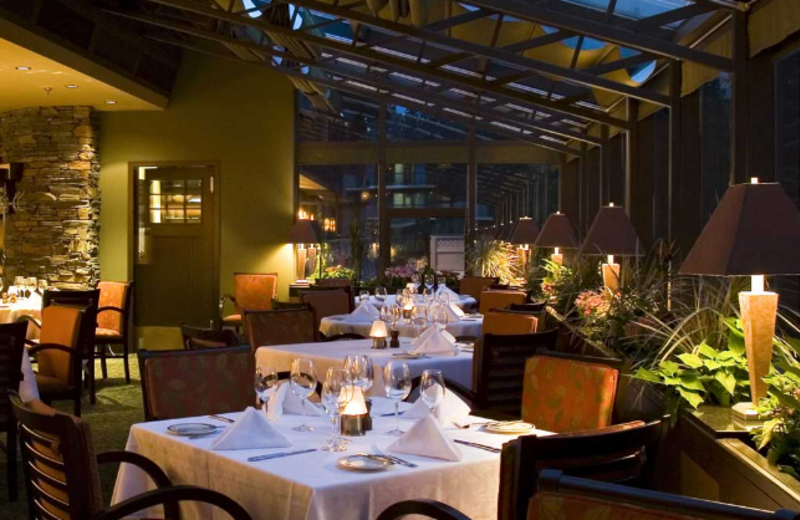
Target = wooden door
(175,271)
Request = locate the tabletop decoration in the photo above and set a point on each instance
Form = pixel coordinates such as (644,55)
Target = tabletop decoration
(251,431)
(426,438)
(355,414)
(378,334)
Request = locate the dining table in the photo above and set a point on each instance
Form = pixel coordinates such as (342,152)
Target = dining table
(468,326)
(332,354)
(311,485)
(464,301)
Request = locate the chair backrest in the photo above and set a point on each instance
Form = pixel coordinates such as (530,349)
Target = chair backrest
(623,453)
(326,303)
(254,291)
(562,496)
(89,301)
(283,327)
(12,347)
(500,300)
(117,295)
(504,323)
(334,284)
(58,457)
(421,507)
(499,368)
(60,326)
(564,393)
(200,338)
(475,285)
(189,383)
(532,308)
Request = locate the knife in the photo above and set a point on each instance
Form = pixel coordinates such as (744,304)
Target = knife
(279,455)
(484,447)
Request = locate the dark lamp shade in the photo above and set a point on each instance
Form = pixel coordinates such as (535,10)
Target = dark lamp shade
(612,234)
(557,232)
(525,232)
(304,232)
(755,230)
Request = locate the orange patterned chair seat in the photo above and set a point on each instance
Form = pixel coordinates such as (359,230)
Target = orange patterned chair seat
(509,323)
(233,319)
(107,334)
(547,505)
(563,395)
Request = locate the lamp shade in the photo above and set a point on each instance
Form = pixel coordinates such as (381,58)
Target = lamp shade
(304,232)
(612,234)
(378,330)
(525,232)
(755,230)
(557,232)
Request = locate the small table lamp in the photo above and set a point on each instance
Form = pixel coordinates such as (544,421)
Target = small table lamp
(559,234)
(754,231)
(304,232)
(611,235)
(525,233)
(378,333)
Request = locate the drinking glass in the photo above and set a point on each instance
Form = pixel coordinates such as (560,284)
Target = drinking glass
(266,383)
(429,281)
(362,374)
(31,282)
(444,297)
(386,313)
(431,388)
(42,285)
(397,384)
(420,323)
(19,284)
(397,313)
(363,296)
(439,316)
(428,295)
(381,294)
(400,299)
(415,280)
(304,382)
(337,392)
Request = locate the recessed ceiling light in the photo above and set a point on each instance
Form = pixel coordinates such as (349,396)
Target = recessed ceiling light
(23,68)
(111,102)
(70,86)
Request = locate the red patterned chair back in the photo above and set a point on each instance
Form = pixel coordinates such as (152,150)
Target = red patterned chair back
(116,295)
(326,303)
(254,291)
(280,327)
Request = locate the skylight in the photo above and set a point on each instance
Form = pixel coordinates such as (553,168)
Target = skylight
(635,9)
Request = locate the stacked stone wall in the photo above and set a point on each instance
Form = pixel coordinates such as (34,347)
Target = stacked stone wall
(54,232)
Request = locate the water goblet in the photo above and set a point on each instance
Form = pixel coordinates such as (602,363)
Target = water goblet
(363,296)
(266,383)
(439,316)
(337,392)
(381,294)
(303,383)
(429,281)
(428,295)
(415,281)
(397,385)
(362,373)
(31,285)
(431,388)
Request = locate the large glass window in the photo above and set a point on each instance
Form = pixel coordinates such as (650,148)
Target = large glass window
(716,138)
(437,242)
(509,191)
(427,185)
(787,124)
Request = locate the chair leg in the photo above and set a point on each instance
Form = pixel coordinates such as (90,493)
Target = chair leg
(125,361)
(78,404)
(92,394)
(103,366)
(11,461)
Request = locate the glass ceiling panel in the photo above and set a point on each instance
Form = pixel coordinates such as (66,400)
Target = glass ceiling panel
(633,8)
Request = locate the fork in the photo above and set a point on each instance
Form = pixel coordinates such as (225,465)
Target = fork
(398,460)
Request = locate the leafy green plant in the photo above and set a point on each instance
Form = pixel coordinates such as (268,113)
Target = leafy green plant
(780,433)
(562,284)
(491,258)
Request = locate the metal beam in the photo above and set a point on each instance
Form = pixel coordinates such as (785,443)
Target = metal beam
(741,99)
(605,68)
(668,17)
(437,40)
(605,32)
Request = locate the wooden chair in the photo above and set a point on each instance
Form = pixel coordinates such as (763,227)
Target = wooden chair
(567,392)
(625,453)
(251,291)
(475,285)
(58,355)
(12,348)
(422,507)
(114,323)
(63,480)
(326,303)
(282,327)
(199,338)
(190,383)
(334,284)
(503,323)
(572,498)
(499,300)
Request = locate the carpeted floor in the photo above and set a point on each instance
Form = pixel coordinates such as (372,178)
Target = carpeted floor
(119,405)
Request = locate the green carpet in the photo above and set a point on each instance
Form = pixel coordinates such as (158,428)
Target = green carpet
(119,405)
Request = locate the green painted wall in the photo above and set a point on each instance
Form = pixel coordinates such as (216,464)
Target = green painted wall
(220,110)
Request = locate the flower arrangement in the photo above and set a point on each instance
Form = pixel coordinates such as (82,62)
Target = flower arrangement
(334,272)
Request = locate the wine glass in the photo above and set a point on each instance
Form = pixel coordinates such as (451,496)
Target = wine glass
(304,382)
(419,323)
(361,371)
(431,388)
(266,383)
(19,285)
(428,295)
(429,281)
(337,392)
(397,313)
(444,297)
(381,294)
(386,313)
(415,281)
(31,283)
(42,285)
(363,296)
(397,384)
(400,299)
(439,316)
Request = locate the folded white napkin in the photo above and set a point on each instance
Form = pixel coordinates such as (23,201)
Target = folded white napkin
(251,431)
(454,314)
(284,401)
(436,343)
(365,312)
(454,296)
(427,439)
(452,408)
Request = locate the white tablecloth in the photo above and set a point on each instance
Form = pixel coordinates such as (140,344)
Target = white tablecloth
(310,486)
(334,325)
(465,301)
(326,355)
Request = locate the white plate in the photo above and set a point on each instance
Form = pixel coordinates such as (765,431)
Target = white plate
(509,428)
(361,463)
(189,429)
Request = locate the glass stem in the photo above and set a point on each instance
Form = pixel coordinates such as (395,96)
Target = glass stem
(334,420)
(397,415)
(303,406)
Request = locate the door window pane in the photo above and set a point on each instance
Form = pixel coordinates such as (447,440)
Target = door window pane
(437,242)
(175,201)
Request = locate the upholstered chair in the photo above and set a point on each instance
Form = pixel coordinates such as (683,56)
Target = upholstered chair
(114,323)
(63,479)
(499,300)
(12,348)
(200,338)
(326,303)
(509,323)
(280,327)
(475,285)
(252,292)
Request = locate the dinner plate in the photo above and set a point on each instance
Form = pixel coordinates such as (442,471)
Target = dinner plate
(361,463)
(509,428)
(189,429)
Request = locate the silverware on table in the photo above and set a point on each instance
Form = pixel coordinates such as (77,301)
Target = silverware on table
(279,455)
(391,414)
(221,418)
(484,447)
(203,435)
(397,460)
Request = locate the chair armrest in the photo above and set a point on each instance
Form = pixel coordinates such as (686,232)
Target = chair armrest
(222,302)
(424,507)
(173,494)
(30,319)
(111,308)
(51,346)
(155,473)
